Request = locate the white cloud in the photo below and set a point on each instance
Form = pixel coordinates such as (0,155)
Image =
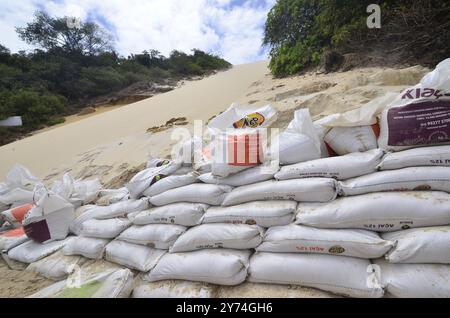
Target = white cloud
(232,28)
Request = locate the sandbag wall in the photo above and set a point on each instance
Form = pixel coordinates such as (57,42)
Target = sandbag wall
(337,224)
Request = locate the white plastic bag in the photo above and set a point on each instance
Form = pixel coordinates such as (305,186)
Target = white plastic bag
(50,218)
(107,229)
(142,258)
(302,239)
(218,235)
(88,247)
(77,192)
(195,193)
(422,245)
(219,266)
(31,251)
(420,115)
(337,274)
(262,213)
(300,142)
(407,179)
(20,177)
(379,212)
(159,236)
(171,182)
(186,214)
(417,157)
(341,168)
(313,189)
(16,196)
(415,280)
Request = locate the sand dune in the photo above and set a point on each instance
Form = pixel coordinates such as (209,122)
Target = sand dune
(99,144)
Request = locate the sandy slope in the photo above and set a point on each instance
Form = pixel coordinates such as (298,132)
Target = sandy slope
(120,135)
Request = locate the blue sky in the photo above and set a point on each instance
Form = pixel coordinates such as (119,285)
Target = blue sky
(230,28)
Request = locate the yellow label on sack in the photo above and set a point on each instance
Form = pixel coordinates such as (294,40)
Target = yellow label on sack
(250,121)
(336,250)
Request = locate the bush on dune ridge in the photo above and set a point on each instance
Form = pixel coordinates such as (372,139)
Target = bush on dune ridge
(301,32)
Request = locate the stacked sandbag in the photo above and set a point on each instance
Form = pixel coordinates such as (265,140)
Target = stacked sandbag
(109,284)
(97,226)
(419,116)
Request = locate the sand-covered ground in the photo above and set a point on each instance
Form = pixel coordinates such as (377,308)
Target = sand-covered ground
(113,144)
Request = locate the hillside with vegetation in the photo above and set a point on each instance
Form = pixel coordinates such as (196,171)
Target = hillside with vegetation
(73,65)
(304,34)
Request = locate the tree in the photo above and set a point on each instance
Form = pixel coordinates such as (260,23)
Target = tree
(52,33)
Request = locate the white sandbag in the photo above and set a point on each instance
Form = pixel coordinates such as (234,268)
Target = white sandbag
(144,179)
(219,235)
(12,238)
(109,284)
(140,257)
(249,176)
(415,280)
(173,289)
(313,189)
(417,157)
(379,212)
(31,251)
(337,274)
(341,168)
(88,247)
(300,142)
(262,213)
(170,182)
(195,193)
(159,236)
(345,140)
(107,229)
(420,115)
(119,209)
(218,266)
(111,196)
(77,192)
(56,266)
(186,214)
(50,218)
(422,245)
(407,179)
(302,239)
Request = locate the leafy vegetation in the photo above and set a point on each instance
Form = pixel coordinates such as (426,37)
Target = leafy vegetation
(301,32)
(75,63)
